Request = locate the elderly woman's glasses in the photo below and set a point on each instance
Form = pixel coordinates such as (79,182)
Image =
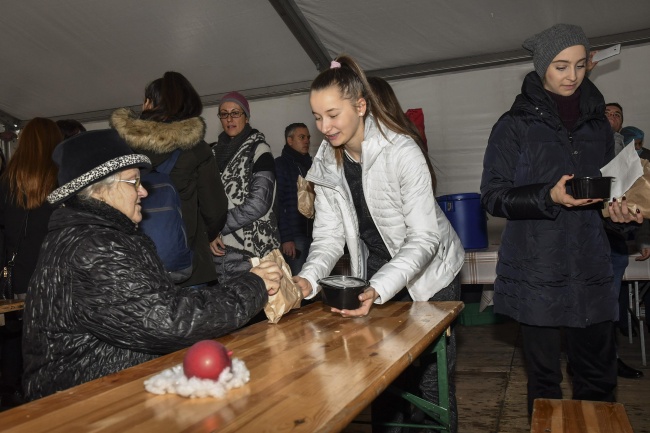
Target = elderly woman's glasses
(234,114)
(135,182)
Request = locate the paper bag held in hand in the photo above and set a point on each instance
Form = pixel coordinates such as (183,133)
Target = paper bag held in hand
(306,197)
(288,296)
(638,196)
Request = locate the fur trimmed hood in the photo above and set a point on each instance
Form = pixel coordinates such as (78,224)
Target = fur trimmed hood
(157,137)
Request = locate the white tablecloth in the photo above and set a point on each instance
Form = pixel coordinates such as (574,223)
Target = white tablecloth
(480,268)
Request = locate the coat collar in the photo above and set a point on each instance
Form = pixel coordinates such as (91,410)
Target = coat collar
(374,142)
(157,137)
(534,99)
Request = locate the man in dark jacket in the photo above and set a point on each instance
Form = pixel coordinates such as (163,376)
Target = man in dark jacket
(295,228)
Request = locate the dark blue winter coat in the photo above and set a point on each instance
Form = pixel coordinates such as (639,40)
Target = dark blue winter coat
(554,267)
(287,168)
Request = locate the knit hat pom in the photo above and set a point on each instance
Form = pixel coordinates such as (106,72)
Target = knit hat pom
(544,46)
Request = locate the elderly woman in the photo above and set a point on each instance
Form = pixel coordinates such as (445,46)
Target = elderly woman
(100,299)
(247,171)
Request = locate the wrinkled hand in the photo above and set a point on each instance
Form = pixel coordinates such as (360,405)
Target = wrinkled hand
(560,196)
(645,253)
(271,273)
(217,246)
(288,249)
(367,298)
(304,285)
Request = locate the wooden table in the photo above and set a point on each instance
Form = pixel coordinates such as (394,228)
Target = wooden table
(311,372)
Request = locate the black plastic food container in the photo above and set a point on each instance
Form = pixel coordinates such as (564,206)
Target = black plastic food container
(342,291)
(591,187)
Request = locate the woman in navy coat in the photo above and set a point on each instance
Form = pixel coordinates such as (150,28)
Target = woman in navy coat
(554,270)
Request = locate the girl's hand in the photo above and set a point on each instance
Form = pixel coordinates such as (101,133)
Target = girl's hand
(367,298)
(620,213)
(560,196)
(304,285)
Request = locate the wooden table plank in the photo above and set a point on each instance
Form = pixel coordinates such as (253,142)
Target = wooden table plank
(311,372)
(7,305)
(579,416)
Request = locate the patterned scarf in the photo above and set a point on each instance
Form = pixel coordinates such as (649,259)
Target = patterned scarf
(227,146)
(261,236)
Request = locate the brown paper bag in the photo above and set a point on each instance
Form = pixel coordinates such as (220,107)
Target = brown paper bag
(306,197)
(288,296)
(638,196)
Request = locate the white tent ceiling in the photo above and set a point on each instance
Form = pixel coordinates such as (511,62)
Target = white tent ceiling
(83,58)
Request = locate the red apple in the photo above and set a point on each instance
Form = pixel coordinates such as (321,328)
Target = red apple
(206,360)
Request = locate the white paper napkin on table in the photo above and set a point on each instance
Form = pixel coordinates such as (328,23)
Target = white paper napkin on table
(174,381)
(625,168)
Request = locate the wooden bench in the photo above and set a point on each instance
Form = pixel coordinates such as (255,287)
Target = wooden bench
(578,416)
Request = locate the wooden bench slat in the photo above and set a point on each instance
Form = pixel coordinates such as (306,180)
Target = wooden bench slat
(579,416)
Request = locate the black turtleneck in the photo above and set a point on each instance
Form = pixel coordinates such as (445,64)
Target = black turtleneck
(568,108)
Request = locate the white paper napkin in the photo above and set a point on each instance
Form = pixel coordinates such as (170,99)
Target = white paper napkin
(174,381)
(625,168)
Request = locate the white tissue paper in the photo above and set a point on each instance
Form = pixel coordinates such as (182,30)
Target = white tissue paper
(174,381)
(626,168)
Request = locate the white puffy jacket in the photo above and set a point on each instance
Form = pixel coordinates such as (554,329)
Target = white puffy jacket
(426,251)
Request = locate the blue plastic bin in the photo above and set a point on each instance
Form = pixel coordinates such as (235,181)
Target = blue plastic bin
(467,217)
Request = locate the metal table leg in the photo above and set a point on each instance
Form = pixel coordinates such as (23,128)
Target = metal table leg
(437,413)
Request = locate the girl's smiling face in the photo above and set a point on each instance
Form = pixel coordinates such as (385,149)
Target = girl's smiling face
(339,119)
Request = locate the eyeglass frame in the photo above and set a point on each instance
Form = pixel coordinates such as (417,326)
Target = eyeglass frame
(137,182)
(224,114)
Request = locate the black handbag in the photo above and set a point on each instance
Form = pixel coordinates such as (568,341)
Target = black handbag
(6,276)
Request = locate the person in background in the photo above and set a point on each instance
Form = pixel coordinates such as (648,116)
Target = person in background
(24,214)
(170,120)
(374,194)
(632,133)
(554,272)
(70,127)
(614,113)
(295,228)
(100,299)
(247,170)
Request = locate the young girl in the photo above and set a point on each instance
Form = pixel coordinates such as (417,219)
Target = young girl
(374,193)
(554,269)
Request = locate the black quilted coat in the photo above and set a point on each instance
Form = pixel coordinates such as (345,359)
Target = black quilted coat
(100,301)
(554,267)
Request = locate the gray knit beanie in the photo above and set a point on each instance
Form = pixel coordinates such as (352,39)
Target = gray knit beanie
(544,46)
